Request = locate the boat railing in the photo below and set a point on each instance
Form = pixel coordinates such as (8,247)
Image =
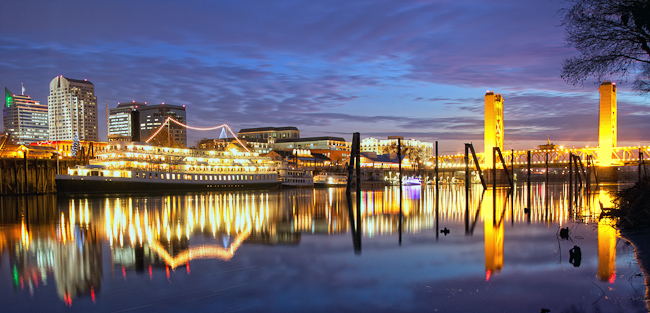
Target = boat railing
(192,171)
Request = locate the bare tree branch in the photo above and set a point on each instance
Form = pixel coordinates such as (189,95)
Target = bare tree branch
(613,38)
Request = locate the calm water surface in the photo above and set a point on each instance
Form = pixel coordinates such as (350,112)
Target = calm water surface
(296,251)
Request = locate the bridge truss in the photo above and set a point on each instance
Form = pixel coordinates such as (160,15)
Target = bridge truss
(621,156)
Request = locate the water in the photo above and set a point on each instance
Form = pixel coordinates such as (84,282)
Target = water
(293,250)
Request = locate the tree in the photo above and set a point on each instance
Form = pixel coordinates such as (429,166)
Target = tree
(162,139)
(613,38)
(204,143)
(414,154)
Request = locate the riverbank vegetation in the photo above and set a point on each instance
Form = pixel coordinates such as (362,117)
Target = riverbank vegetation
(632,206)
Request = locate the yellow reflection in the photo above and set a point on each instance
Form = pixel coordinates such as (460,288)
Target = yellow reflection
(493,225)
(199,252)
(606,250)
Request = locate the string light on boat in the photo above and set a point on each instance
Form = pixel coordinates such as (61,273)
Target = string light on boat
(196,128)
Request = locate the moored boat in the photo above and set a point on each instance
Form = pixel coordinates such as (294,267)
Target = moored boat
(293,176)
(330,180)
(140,167)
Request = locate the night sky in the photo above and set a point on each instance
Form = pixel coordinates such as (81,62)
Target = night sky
(413,68)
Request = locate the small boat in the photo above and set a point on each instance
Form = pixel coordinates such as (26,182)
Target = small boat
(411,181)
(291,176)
(326,179)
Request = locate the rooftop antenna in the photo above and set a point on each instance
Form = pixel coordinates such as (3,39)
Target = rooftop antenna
(23,87)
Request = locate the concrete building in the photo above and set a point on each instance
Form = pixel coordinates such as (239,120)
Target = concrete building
(24,118)
(152,116)
(607,123)
(312,143)
(124,122)
(493,126)
(72,109)
(268,134)
(380,146)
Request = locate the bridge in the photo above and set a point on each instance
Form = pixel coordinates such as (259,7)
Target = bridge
(607,154)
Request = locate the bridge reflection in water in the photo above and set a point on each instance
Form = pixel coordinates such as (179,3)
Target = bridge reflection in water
(63,238)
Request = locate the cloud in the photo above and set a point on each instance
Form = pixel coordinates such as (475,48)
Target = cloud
(312,64)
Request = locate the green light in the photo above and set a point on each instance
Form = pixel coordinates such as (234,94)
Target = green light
(15,275)
(9,98)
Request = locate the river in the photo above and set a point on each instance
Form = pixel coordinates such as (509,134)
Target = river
(295,250)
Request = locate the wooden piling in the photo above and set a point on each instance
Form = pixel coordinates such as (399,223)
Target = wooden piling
(467,176)
(399,159)
(570,198)
(437,192)
(546,186)
(528,156)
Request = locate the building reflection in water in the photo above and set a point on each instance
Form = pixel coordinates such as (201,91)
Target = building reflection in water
(493,219)
(607,235)
(64,241)
(42,246)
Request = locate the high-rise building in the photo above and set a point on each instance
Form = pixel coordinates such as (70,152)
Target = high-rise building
(124,121)
(24,118)
(152,116)
(72,110)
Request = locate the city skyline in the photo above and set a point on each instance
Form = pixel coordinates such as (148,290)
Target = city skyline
(407,68)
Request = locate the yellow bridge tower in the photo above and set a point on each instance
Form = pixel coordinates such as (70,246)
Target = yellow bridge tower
(607,127)
(493,125)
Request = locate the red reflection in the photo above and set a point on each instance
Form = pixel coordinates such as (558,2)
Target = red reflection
(188,267)
(67,299)
(612,278)
(488,274)
(92,293)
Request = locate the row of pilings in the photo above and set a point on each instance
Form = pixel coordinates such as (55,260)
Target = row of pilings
(28,176)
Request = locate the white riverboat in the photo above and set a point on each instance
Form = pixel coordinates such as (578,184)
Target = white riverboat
(328,179)
(141,167)
(293,176)
(406,181)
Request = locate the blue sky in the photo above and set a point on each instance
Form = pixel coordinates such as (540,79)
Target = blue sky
(414,68)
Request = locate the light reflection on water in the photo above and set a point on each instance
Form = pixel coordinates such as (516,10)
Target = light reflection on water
(74,242)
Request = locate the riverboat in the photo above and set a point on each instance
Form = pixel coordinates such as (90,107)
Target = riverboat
(140,167)
(406,181)
(293,176)
(326,179)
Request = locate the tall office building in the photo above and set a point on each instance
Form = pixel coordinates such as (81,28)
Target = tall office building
(24,118)
(72,109)
(152,116)
(124,121)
